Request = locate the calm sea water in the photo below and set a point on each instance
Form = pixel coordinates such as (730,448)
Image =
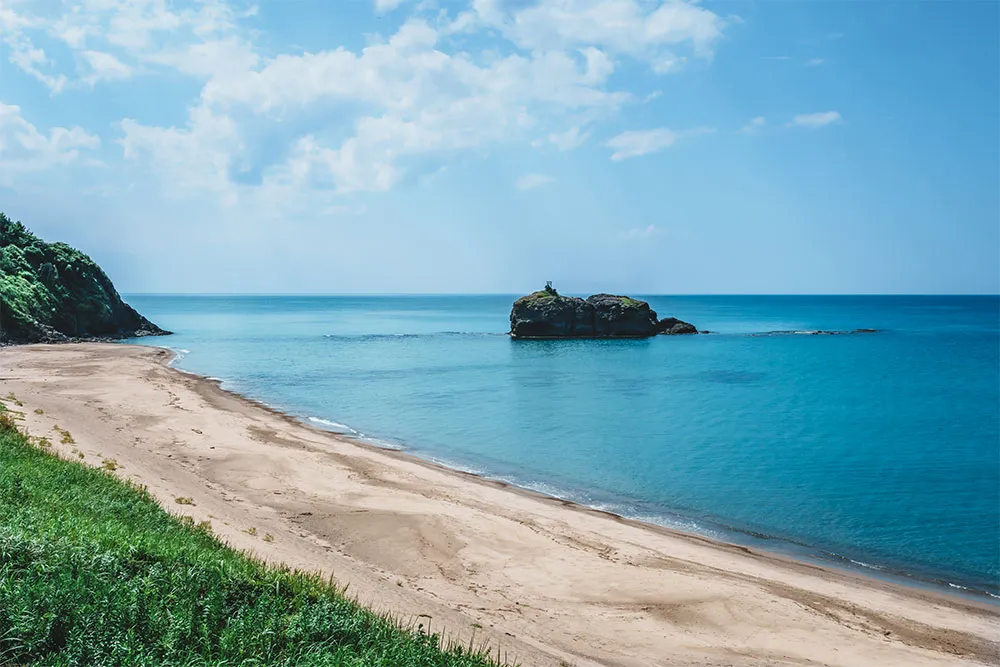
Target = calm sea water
(878,449)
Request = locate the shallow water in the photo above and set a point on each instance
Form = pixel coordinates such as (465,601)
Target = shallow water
(881,449)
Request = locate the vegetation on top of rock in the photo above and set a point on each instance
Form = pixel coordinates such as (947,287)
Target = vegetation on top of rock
(547,314)
(51,292)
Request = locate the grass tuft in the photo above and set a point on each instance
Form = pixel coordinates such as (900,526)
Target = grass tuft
(94,572)
(182,500)
(109,464)
(65,437)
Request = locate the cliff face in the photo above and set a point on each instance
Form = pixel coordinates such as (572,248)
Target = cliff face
(547,314)
(50,292)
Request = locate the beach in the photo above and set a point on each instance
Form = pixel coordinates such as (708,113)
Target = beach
(540,580)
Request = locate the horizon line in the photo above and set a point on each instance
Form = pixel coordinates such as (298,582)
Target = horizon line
(663,294)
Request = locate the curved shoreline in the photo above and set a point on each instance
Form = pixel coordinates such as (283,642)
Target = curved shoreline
(544,579)
(783,547)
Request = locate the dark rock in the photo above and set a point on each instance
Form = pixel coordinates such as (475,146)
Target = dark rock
(622,316)
(547,314)
(52,293)
(550,315)
(673,326)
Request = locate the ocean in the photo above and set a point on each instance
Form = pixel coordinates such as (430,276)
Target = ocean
(877,451)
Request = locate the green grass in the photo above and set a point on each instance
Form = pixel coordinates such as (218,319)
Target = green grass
(94,572)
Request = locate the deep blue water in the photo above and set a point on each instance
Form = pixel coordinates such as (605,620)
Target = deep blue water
(880,448)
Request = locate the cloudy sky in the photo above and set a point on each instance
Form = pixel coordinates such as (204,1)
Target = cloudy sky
(345,146)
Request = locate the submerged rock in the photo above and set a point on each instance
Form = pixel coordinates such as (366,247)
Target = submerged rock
(50,292)
(548,314)
(814,332)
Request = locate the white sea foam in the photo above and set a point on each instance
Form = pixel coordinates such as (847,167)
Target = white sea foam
(455,466)
(864,564)
(344,429)
(384,444)
(179,353)
(328,425)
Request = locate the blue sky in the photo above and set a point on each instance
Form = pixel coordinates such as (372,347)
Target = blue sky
(489,145)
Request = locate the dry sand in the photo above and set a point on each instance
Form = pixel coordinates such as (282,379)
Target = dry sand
(545,582)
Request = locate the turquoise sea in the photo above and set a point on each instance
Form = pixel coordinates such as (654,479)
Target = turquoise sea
(878,451)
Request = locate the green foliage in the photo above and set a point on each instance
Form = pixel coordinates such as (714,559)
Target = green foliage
(53,287)
(48,274)
(94,572)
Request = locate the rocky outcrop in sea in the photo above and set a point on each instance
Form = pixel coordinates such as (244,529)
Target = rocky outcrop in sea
(548,314)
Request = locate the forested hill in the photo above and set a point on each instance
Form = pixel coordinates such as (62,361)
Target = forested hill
(50,292)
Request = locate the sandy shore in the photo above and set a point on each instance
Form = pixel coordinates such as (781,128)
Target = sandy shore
(543,581)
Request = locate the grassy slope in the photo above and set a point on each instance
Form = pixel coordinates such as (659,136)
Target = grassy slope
(94,572)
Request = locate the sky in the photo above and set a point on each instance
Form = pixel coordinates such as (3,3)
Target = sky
(486,146)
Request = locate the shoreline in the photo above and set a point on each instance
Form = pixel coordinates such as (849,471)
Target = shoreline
(780,547)
(504,553)
(759,543)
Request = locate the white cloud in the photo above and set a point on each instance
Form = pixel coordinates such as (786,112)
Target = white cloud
(814,120)
(408,72)
(635,143)
(386,6)
(24,149)
(642,233)
(134,25)
(224,57)
(199,157)
(572,138)
(650,31)
(754,124)
(813,62)
(532,181)
(420,102)
(335,121)
(640,142)
(32,60)
(105,67)
(111,39)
